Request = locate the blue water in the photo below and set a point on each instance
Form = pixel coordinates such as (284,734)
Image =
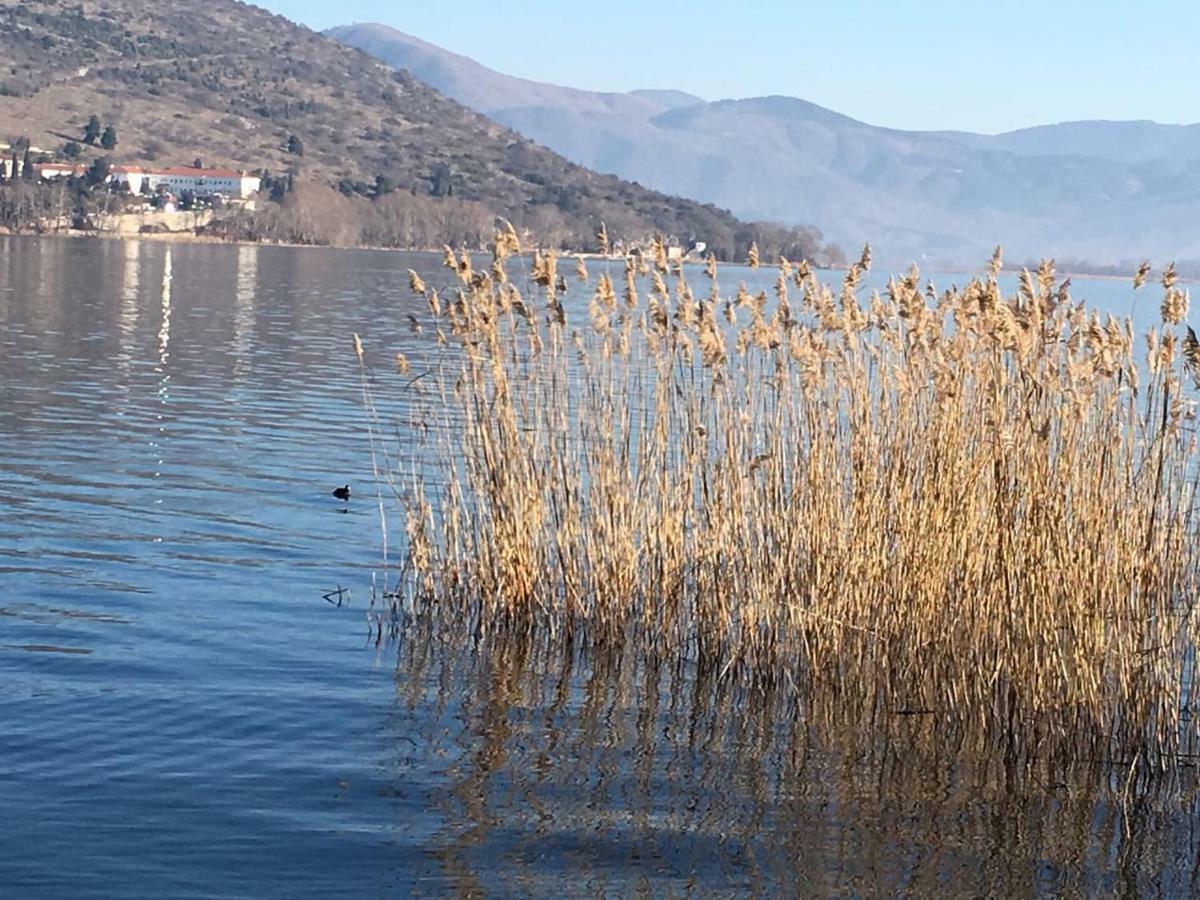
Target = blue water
(185,714)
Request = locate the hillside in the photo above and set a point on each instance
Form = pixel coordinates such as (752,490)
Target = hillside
(234,85)
(1095,190)
(484,89)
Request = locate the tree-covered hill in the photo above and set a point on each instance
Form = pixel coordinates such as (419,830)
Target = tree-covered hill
(357,153)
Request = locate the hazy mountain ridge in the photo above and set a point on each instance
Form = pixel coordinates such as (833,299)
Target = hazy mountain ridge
(1119,141)
(1090,189)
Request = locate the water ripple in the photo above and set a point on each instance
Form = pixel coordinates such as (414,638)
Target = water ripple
(183,714)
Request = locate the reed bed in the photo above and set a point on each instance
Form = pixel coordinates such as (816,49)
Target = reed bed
(957,504)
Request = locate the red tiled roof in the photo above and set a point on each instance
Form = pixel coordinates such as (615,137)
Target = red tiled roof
(167,171)
(177,171)
(60,167)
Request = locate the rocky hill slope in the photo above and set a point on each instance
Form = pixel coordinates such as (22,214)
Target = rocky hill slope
(357,142)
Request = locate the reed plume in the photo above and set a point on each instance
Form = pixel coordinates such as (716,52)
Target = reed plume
(973,505)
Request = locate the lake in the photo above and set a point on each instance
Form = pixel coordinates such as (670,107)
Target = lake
(191,708)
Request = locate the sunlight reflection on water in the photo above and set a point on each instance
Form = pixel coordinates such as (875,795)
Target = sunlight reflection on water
(185,715)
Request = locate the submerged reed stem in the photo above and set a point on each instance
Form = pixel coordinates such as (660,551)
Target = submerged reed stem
(965,503)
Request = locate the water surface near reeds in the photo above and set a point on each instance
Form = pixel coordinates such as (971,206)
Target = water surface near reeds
(183,714)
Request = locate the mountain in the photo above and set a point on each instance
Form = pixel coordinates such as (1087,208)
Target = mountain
(1098,190)
(357,152)
(1126,142)
(485,90)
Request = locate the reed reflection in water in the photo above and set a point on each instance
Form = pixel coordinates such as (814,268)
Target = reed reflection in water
(226,734)
(615,773)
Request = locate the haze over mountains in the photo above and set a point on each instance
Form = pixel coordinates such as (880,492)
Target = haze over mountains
(1097,190)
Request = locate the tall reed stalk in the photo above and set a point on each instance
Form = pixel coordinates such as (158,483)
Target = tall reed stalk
(960,504)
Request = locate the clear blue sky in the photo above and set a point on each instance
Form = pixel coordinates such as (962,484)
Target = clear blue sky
(922,64)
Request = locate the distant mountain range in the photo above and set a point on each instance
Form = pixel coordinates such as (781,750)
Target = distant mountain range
(1096,190)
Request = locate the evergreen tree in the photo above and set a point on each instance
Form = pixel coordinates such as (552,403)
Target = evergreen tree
(440,182)
(109,140)
(92,131)
(98,171)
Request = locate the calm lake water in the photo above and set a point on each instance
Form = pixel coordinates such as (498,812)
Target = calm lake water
(184,714)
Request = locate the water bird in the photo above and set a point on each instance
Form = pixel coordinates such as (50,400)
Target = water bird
(342,493)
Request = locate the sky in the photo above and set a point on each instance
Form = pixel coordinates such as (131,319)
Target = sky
(934,64)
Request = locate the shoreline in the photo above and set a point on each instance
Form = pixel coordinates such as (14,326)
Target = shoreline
(182,237)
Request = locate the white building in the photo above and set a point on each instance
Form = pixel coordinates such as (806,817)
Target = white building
(11,167)
(50,171)
(177,179)
(174,179)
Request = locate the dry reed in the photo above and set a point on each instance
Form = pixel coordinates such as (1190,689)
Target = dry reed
(963,504)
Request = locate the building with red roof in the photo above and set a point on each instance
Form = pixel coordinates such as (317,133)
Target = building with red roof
(174,179)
